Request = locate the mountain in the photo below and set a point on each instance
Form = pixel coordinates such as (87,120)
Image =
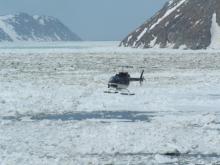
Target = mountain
(184,24)
(24,27)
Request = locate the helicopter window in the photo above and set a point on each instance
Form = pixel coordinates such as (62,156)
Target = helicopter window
(114,79)
(111,79)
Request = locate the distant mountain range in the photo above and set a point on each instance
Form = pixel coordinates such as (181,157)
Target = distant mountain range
(24,27)
(185,24)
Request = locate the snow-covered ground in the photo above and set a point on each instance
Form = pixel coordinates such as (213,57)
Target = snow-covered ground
(53,109)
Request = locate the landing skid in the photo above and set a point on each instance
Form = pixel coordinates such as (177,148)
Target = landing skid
(126,92)
(121,91)
(111,91)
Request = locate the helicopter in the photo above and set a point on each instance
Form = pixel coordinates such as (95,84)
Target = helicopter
(121,81)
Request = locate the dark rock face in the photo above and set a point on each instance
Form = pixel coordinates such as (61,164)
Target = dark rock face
(23,27)
(179,24)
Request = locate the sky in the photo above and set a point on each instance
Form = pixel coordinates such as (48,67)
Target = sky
(92,20)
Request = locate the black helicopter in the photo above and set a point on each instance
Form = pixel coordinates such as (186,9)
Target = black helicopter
(121,81)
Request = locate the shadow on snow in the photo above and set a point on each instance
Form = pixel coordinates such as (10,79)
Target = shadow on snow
(123,116)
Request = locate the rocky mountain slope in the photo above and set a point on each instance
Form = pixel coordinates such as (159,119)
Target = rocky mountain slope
(24,27)
(186,24)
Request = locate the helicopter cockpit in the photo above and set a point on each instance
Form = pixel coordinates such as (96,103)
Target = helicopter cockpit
(121,78)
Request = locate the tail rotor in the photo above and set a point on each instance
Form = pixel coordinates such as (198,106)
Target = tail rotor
(142,77)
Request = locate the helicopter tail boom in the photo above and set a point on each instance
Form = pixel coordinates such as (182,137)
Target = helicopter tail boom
(135,79)
(141,79)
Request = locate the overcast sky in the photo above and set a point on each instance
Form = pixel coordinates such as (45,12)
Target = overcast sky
(90,19)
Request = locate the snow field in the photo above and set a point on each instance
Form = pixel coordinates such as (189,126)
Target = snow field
(181,95)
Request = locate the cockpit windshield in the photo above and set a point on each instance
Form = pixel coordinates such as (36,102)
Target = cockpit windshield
(114,79)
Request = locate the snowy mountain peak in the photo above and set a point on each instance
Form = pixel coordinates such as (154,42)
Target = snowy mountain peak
(24,27)
(188,24)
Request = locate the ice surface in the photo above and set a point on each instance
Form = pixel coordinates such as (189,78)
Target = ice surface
(53,109)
